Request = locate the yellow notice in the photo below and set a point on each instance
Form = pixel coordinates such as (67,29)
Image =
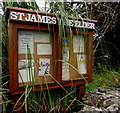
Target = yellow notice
(81,63)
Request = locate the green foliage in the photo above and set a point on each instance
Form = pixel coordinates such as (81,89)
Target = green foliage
(105,78)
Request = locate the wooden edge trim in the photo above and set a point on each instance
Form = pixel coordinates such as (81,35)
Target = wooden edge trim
(51,86)
(27,10)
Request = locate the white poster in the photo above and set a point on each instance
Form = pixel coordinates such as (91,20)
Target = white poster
(44,66)
(26,72)
(41,36)
(78,44)
(65,71)
(25,38)
(44,49)
(65,54)
(81,62)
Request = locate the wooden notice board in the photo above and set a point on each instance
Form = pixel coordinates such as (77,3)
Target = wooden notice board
(40,54)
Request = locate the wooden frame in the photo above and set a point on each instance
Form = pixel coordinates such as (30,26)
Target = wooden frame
(15,25)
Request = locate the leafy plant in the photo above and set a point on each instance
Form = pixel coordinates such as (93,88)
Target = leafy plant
(105,78)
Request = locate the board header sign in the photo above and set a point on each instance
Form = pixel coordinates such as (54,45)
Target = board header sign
(49,19)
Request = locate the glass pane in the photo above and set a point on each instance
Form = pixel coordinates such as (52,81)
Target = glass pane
(34,56)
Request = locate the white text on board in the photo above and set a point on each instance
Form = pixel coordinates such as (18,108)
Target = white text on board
(29,17)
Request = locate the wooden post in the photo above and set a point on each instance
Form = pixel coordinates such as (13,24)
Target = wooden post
(80,91)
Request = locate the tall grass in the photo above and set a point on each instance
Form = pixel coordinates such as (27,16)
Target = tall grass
(108,78)
(52,101)
(62,99)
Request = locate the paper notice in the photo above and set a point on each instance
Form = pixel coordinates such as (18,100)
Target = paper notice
(41,36)
(26,72)
(81,62)
(44,49)
(65,54)
(44,66)
(65,42)
(65,71)
(25,38)
(78,44)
